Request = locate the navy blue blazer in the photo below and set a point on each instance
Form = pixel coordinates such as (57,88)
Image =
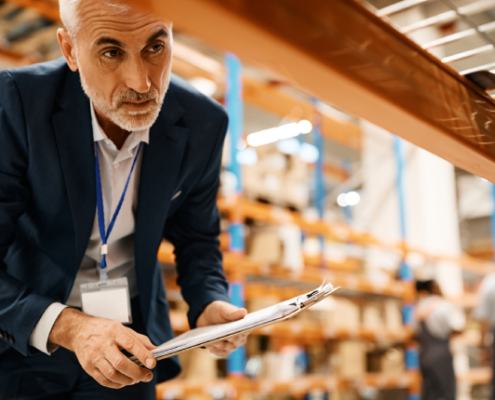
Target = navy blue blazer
(48,200)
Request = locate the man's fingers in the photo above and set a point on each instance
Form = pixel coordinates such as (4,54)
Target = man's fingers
(134,346)
(218,345)
(222,348)
(125,366)
(110,373)
(144,340)
(220,353)
(230,347)
(98,377)
(238,340)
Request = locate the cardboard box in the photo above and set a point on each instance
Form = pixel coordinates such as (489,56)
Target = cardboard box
(260,303)
(291,238)
(393,315)
(373,316)
(346,315)
(393,361)
(386,360)
(198,365)
(265,245)
(348,359)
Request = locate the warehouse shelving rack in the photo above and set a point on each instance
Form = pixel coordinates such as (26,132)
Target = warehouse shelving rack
(237,267)
(238,209)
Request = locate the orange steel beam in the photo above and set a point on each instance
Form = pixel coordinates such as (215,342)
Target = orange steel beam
(341,53)
(16,59)
(46,8)
(308,331)
(485,253)
(297,387)
(338,173)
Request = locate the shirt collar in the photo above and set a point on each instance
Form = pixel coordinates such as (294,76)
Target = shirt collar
(132,141)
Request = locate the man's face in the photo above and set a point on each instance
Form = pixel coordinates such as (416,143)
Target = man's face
(124,58)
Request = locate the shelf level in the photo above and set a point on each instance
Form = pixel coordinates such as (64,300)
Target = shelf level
(308,332)
(299,386)
(302,385)
(308,275)
(338,231)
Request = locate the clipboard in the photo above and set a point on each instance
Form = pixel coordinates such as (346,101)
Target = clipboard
(271,315)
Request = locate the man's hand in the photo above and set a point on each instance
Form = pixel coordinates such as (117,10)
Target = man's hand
(220,312)
(97,343)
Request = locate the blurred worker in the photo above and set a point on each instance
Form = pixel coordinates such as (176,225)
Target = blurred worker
(436,321)
(485,312)
(103,153)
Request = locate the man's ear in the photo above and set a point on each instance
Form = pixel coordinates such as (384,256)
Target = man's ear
(68,48)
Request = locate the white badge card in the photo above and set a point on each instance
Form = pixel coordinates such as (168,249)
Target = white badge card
(107,299)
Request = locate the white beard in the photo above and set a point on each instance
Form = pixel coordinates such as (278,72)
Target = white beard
(126,119)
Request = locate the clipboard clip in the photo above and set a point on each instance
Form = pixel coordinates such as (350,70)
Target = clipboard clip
(316,295)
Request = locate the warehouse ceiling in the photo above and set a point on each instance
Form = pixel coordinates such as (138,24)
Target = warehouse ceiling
(460,33)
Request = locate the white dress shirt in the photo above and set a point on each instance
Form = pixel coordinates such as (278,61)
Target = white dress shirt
(115,166)
(442,317)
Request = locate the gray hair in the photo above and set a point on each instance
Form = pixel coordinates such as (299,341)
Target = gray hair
(69,12)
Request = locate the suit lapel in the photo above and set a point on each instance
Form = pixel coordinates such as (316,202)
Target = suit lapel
(159,172)
(74,137)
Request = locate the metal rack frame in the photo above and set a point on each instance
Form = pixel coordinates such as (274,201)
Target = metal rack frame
(463,13)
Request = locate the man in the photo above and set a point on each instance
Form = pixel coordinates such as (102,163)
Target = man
(486,315)
(436,321)
(102,155)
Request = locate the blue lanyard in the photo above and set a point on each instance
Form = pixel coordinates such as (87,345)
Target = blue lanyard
(101,214)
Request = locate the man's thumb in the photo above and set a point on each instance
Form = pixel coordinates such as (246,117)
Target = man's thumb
(232,313)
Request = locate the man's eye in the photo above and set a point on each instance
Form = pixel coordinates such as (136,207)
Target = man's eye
(111,53)
(156,48)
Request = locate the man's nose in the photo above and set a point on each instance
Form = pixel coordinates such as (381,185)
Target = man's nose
(136,75)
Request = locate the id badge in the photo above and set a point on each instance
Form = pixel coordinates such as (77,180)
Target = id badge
(107,299)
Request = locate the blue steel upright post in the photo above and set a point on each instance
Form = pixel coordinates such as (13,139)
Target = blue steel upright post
(319,175)
(347,211)
(235,110)
(412,357)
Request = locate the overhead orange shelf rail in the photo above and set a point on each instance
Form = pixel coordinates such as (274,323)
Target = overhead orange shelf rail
(343,54)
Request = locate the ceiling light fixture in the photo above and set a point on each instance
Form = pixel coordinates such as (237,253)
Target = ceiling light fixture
(282,132)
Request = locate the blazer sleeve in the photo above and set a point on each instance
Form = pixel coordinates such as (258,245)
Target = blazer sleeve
(20,306)
(194,230)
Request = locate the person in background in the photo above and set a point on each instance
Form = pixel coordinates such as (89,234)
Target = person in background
(485,314)
(436,321)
